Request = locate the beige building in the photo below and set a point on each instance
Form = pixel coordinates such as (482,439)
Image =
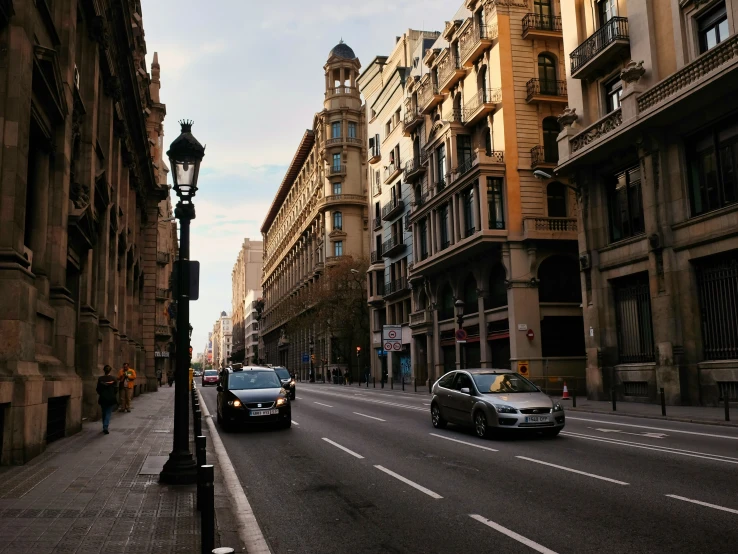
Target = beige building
(216,337)
(79,199)
(390,192)
(651,141)
(319,214)
(486,231)
(245,277)
(251,326)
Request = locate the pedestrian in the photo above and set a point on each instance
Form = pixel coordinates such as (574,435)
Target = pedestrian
(126,380)
(106,396)
(158,375)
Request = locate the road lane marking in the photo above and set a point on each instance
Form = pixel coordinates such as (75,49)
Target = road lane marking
(321,404)
(464,442)
(728,437)
(294,422)
(647,435)
(370,417)
(409,482)
(664,449)
(373,401)
(600,477)
(354,454)
(512,534)
(715,506)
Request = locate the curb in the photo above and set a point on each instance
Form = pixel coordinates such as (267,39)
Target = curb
(248,528)
(655,418)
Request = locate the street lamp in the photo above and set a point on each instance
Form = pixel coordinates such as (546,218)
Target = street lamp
(459,308)
(185,155)
(312,348)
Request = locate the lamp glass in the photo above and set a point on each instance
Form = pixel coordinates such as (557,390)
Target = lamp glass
(459,307)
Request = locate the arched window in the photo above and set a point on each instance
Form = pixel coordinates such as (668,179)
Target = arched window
(470,296)
(497,293)
(556,197)
(550,140)
(422,301)
(559,280)
(457,108)
(482,84)
(337,221)
(446,304)
(547,74)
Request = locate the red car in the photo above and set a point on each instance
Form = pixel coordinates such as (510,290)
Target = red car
(209,377)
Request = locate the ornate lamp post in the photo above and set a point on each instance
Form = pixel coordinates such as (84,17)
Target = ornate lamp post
(185,155)
(459,308)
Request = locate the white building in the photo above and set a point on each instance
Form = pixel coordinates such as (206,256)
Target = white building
(251,326)
(225,335)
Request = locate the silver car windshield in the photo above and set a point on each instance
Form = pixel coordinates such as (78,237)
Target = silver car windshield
(506,383)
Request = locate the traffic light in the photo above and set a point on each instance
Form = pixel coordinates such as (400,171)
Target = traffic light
(358,351)
(190,352)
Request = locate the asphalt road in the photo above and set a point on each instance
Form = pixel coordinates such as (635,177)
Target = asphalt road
(363,471)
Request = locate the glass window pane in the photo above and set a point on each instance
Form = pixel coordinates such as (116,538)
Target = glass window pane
(723,30)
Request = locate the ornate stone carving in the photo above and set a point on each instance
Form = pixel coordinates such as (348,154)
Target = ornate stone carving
(632,72)
(599,129)
(79,194)
(567,118)
(113,88)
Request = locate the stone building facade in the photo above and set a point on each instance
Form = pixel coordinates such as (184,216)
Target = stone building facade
(79,200)
(245,277)
(651,142)
(251,326)
(486,229)
(391,172)
(319,214)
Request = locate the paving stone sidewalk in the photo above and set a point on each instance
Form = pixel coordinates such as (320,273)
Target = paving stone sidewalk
(87,494)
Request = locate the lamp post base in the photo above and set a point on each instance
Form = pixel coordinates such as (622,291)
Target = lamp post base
(180,469)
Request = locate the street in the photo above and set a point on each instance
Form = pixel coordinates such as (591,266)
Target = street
(363,470)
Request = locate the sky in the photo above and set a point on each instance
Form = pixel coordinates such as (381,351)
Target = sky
(251,77)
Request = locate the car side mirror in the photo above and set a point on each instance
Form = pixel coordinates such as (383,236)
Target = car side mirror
(219,388)
(466,390)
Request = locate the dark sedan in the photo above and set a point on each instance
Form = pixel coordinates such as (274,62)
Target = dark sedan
(288,382)
(252,395)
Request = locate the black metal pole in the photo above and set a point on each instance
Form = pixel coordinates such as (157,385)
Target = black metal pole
(726,400)
(614,400)
(207,513)
(574,400)
(180,468)
(663,402)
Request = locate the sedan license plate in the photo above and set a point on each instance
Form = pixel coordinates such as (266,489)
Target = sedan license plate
(264,412)
(537,419)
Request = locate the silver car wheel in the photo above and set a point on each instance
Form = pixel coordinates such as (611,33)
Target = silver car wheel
(435,415)
(480,424)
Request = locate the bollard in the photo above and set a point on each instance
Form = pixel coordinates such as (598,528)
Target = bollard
(207,513)
(727,406)
(392,382)
(197,421)
(200,455)
(612,394)
(663,402)
(403,383)
(382,382)
(223,550)
(374,382)
(415,384)
(200,450)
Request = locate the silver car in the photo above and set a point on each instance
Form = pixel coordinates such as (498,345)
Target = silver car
(496,399)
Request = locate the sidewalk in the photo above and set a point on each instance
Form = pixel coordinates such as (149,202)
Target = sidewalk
(100,493)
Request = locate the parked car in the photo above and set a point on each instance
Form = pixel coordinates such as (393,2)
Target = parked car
(494,399)
(288,382)
(252,395)
(209,377)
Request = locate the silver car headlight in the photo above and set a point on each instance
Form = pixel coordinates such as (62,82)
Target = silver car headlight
(505,410)
(558,408)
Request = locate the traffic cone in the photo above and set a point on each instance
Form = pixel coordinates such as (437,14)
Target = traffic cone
(565,396)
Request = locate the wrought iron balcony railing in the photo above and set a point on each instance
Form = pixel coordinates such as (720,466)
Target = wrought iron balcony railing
(391,208)
(538,87)
(540,22)
(615,29)
(540,155)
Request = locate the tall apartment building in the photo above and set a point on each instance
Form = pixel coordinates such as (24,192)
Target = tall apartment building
(391,174)
(225,334)
(651,141)
(216,337)
(251,326)
(245,277)
(80,201)
(318,216)
(486,231)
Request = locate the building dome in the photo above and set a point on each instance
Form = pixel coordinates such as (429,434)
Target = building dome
(342,50)
(223,314)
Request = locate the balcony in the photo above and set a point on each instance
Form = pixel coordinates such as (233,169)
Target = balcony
(392,171)
(464,167)
(338,169)
(420,200)
(162,294)
(540,26)
(420,319)
(450,72)
(376,257)
(440,185)
(454,115)
(163,258)
(332,199)
(482,103)
(392,209)
(474,40)
(546,91)
(337,141)
(332,260)
(599,50)
(393,246)
(413,119)
(377,223)
(341,90)
(375,154)
(163,330)
(378,296)
(539,158)
(552,228)
(398,286)
(428,95)
(415,168)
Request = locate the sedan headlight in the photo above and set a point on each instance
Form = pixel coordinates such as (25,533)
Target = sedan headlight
(281,401)
(235,403)
(505,410)
(558,408)
(292,383)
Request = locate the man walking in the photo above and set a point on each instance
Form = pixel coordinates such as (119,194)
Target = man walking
(106,396)
(126,380)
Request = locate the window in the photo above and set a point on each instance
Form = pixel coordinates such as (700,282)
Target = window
(338,248)
(717,280)
(607,9)
(471,299)
(626,207)
(464,152)
(447,380)
(547,74)
(713,164)
(423,239)
(497,294)
(551,140)
(443,221)
(633,319)
(494,202)
(336,129)
(468,203)
(441,166)
(446,305)
(556,199)
(337,188)
(336,162)
(542,8)
(337,221)
(613,92)
(559,280)
(352,129)
(463,381)
(713,28)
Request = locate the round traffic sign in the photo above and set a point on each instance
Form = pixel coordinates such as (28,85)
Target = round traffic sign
(392,334)
(388,346)
(461,334)
(397,346)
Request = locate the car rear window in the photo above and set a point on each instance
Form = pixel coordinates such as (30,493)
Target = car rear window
(282,373)
(211,373)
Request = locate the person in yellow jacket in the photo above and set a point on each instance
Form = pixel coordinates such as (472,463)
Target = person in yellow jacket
(126,381)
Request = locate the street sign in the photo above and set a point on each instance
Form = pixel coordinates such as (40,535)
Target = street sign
(523,366)
(392,337)
(461,335)
(305,358)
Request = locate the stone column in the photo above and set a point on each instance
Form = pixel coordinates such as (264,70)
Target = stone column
(40,216)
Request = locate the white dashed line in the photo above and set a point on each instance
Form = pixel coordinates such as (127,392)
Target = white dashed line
(513,535)
(295,423)
(354,454)
(321,404)
(409,482)
(464,442)
(728,437)
(714,506)
(370,417)
(574,471)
